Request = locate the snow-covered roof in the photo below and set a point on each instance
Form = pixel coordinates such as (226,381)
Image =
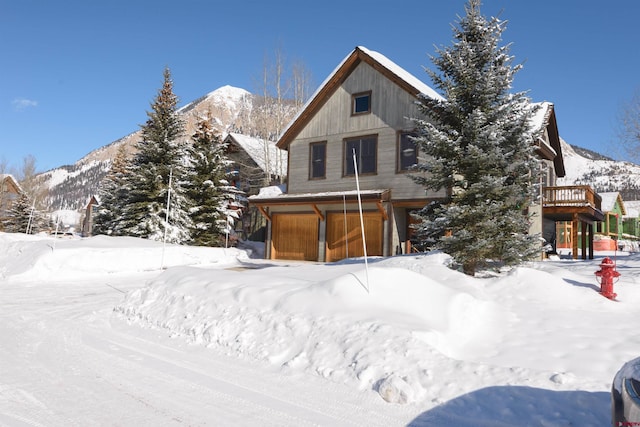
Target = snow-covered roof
(4,176)
(402,73)
(540,118)
(359,53)
(633,208)
(271,195)
(609,200)
(255,149)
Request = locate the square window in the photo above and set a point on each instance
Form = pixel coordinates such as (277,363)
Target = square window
(365,149)
(318,160)
(407,151)
(361,103)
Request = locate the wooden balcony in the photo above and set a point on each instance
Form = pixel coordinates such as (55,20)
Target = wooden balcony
(578,204)
(569,203)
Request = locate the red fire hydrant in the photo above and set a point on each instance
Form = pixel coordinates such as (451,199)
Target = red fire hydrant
(607,273)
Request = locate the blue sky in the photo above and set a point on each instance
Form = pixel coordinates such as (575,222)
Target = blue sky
(78,74)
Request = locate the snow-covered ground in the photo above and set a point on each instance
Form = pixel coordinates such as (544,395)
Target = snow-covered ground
(95,332)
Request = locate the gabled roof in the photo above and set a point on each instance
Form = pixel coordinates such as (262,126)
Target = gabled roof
(8,177)
(255,147)
(360,54)
(609,202)
(633,208)
(545,118)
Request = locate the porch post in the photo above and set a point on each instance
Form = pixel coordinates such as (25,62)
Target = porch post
(574,236)
(590,241)
(583,238)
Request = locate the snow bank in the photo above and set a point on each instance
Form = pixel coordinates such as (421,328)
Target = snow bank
(536,345)
(379,333)
(32,257)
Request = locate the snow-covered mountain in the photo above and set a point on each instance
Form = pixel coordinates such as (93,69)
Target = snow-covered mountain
(233,109)
(71,186)
(584,167)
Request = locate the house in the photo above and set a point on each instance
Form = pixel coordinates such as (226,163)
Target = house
(361,115)
(568,213)
(258,163)
(9,192)
(610,229)
(87,218)
(631,221)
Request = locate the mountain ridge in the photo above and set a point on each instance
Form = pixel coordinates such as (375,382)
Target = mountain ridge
(71,186)
(233,109)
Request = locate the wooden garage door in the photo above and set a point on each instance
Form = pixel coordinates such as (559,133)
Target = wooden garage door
(337,239)
(294,236)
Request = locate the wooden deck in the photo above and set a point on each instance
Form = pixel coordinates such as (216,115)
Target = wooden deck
(564,203)
(578,204)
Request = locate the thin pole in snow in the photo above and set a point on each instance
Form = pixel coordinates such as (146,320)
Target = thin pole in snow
(166,219)
(346,232)
(57,223)
(30,222)
(226,234)
(364,240)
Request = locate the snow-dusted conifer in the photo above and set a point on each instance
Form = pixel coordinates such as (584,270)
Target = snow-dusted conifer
(213,198)
(160,153)
(112,196)
(23,217)
(477,145)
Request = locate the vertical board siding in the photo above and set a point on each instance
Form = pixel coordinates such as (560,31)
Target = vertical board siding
(294,236)
(391,110)
(337,241)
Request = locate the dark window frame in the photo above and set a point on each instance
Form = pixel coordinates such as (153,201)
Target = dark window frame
(347,156)
(354,103)
(402,167)
(312,160)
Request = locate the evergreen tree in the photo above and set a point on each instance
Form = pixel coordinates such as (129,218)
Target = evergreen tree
(159,159)
(23,217)
(112,196)
(478,146)
(213,198)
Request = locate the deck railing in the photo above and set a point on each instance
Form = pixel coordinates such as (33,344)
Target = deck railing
(571,195)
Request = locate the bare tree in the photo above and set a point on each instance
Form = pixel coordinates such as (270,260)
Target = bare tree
(302,83)
(27,177)
(629,130)
(283,93)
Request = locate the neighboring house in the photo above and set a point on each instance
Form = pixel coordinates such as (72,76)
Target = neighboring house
(631,221)
(613,209)
(251,157)
(87,217)
(569,213)
(365,106)
(9,192)
(258,163)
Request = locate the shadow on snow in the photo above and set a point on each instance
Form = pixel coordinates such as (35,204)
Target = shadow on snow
(502,406)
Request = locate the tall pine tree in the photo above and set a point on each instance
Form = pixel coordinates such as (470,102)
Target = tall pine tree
(157,169)
(213,197)
(23,217)
(112,196)
(478,145)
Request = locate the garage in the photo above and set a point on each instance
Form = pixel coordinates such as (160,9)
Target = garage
(294,236)
(341,238)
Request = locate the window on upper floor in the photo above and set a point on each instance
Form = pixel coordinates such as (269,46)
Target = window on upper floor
(366,155)
(361,103)
(317,160)
(407,151)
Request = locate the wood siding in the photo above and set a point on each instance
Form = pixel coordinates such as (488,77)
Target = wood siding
(391,108)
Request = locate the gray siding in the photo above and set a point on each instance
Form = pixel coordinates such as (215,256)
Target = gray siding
(391,109)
